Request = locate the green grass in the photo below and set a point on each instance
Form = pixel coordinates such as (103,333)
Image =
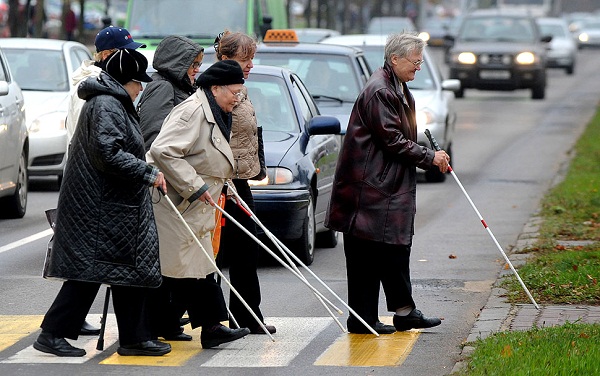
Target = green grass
(556,273)
(571,349)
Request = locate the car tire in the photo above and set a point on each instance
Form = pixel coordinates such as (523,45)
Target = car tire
(304,248)
(433,175)
(460,93)
(327,239)
(16,204)
(538,91)
(570,69)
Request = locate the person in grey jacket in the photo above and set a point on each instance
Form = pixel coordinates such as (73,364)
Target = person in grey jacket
(105,231)
(177,61)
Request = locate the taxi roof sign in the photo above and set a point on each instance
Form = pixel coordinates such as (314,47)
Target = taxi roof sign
(281,36)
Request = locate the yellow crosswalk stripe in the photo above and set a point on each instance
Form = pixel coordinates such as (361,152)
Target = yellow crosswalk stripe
(15,327)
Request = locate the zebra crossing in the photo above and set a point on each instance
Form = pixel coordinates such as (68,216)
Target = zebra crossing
(293,335)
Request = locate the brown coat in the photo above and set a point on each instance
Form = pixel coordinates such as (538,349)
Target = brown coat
(374,191)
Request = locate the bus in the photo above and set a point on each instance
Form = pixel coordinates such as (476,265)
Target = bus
(149,21)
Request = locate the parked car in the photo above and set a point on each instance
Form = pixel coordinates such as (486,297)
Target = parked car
(588,34)
(43,68)
(14,145)
(497,50)
(562,52)
(434,96)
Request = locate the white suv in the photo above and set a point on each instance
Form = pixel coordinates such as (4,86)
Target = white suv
(14,146)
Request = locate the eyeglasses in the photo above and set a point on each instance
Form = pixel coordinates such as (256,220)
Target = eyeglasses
(417,63)
(239,95)
(196,64)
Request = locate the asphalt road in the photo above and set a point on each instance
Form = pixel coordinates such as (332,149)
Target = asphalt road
(507,151)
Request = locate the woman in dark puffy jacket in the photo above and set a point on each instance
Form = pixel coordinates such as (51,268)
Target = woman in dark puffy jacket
(177,61)
(105,230)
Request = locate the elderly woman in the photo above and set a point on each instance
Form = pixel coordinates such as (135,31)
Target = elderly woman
(192,150)
(105,231)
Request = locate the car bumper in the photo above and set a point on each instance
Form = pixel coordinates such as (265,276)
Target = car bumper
(47,154)
(282,212)
(498,79)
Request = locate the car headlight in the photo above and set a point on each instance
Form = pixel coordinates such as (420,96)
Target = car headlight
(424,117)
(48,123)
(583,37)
(425,36)
(275,176)
(466,58)
(525,58)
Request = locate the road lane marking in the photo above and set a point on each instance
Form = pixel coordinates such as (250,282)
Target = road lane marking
(367,350)
(26,240)
(88,343)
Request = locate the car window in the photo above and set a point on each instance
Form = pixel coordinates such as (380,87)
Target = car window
(272,104)
(508,29)
(77,57)
(323,75)
(41,70)
(3,71)
(553,30)
(424,79)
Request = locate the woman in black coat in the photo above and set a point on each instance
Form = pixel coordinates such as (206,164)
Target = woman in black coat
(105,231)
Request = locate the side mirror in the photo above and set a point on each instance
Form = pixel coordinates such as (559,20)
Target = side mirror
(322,124)
(546,38)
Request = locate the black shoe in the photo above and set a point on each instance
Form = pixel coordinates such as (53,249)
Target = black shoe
(184,321)
(47,343)
(218,334)
(146,348)
(379,327)
(415,320)
(88,330)
(177,337)
(259,330)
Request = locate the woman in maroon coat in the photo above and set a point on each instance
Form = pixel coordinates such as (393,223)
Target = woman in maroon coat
(373,200)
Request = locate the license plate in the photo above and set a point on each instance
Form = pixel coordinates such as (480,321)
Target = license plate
(494,75)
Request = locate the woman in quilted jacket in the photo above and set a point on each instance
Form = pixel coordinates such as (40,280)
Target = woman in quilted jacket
(237,249)
(105,231)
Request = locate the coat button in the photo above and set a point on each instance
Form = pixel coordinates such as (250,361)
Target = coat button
(191,189)
(203,210)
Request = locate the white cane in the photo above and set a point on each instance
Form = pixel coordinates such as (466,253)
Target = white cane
(211,258)
(246,209)
(300,276)
(435,146)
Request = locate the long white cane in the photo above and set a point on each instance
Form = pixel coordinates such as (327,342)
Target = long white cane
(212,260)
(306,268)
(435,145)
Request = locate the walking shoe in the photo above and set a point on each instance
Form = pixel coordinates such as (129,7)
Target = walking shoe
(47,343)
(88,330)
(259,330)
(415,320)
(218,334)
(181,336)
(146,348)
(379,327)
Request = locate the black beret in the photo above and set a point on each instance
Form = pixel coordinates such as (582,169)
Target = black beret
(221,73)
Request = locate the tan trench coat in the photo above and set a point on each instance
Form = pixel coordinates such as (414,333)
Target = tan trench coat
(192,152)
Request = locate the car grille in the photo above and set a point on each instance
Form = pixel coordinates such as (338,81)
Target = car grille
(495,59)
(48,160)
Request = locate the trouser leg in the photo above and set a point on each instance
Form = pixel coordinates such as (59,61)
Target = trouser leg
(395,276)
(132,313)
(69,309)
(164,309)
(204,300)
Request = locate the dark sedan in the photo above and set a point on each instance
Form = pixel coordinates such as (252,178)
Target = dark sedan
(301,152)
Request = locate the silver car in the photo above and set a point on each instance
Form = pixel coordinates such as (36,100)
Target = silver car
(14,146)
(44,69)
(562,49)
(434,96)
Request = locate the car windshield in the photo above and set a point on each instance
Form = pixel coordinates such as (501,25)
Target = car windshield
(202,19)
(272,103)
(327,77)
(501,29)
(38,70)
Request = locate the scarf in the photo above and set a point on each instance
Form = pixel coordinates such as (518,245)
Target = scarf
(223,118)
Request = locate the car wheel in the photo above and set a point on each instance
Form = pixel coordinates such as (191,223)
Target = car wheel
(460,93)
(327,239)
(538,91)
(304,248)
(433,175)
(570,69)
(17,203)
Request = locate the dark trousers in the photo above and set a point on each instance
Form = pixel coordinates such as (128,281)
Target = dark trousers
(202,298)
(75,298)
(370,265)
(241,253)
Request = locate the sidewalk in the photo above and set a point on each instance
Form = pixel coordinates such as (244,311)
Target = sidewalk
(500,316)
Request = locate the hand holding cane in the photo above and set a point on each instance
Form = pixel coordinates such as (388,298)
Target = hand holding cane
(436,147)
(212,260)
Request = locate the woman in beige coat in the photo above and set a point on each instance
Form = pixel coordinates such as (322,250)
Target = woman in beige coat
(192,150)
